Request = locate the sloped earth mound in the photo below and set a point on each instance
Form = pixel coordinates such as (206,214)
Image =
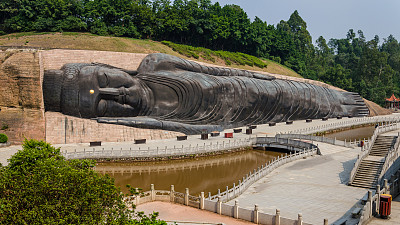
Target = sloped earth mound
(375,109)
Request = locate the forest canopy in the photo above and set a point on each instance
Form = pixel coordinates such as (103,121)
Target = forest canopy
(369,67)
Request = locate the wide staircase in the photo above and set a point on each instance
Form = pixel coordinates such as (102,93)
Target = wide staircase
(371,166)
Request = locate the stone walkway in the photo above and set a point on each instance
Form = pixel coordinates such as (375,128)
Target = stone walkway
(183,215)
(315,187)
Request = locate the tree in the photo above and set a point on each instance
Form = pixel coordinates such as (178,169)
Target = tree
(39,186)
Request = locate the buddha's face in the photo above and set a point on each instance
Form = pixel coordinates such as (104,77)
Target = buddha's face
(105,92)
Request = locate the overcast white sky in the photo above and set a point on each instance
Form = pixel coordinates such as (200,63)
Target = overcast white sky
(330,19)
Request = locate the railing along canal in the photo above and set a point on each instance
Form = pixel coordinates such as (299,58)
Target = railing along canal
(213,146)
(216,203)
(219,207)
(332,141)
(249,179)
(348,123)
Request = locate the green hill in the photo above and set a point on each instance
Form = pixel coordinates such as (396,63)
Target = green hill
(86,41)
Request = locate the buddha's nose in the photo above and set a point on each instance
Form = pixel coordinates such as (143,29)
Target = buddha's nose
(117,94)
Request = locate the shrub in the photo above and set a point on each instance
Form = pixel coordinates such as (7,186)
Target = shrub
(5,126)
(230,58)
(39,186)
(3,138)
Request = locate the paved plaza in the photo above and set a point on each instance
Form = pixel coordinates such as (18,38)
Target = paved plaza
(315,187)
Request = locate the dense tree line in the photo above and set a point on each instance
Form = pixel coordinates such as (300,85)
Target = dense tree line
(352,63)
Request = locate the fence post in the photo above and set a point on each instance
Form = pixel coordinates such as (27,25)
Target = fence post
(152,192)
(370,203)
(137,197)
(255,214)
(300,219)
(219,205)
(202,200)
(227,193)
(378,189)
(236,209)
(278,217)
(386,186)
(187,196)
(172,194)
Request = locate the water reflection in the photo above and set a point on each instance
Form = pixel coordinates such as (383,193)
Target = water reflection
(353,134)
(206,174)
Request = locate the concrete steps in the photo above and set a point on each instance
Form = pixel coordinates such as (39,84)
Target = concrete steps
(368,171)
(382,145)
(367,174)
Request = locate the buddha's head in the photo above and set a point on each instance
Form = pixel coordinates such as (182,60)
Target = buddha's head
(93,90)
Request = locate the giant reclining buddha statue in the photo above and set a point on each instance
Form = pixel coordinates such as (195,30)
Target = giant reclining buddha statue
(170,93)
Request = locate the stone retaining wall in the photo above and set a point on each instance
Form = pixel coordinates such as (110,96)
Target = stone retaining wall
(21,95)
(62,129)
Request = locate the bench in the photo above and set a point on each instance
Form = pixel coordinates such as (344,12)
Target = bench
(271,124)
(181,138)
(339,117)
(95,143)
(214,134)
(204,136)
(340,222)
(140,141)
(364,199)
(237,130)
(308,120)
(252,126)
(289,122)
(325,119)
(228,135)
(355,212)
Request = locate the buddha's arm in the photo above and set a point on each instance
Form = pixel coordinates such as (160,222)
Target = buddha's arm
(150,123)
(162,62)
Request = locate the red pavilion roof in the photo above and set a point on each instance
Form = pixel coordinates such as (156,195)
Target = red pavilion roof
(393,99)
